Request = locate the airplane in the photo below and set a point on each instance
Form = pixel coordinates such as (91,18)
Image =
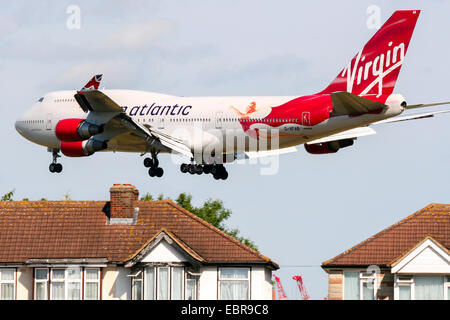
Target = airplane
(211,131)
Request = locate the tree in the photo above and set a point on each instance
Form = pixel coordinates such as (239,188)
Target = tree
(212,211)
(8,196)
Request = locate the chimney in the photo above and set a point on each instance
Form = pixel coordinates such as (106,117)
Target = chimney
(123,206)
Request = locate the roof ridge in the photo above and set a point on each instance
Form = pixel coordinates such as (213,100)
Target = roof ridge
(380,233)
(220,232)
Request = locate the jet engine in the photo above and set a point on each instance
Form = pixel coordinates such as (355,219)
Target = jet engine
(328,147)
(71,130)
(82,148)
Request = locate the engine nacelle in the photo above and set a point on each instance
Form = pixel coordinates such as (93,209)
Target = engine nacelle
(328,147)
(82,148)
(71,130)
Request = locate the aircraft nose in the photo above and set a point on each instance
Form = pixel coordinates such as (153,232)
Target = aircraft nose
(18,125)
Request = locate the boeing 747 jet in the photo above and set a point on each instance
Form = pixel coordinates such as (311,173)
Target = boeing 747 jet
(212,131)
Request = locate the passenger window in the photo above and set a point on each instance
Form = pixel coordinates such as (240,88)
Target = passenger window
(40,99)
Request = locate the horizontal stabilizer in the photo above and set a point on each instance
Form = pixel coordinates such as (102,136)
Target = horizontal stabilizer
(422,105)
(412,117)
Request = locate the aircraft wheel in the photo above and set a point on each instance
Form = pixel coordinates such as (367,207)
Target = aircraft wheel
(52,167)
(151,172)
(58,167)
(207,168)
(198,169)
(148,162)
(191,169)
(224,175)
(184,168)
(159,172)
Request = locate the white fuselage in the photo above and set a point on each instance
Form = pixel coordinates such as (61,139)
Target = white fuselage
(200,122)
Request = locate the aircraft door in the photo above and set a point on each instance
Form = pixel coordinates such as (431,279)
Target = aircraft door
(219,116)
(160,122)
(48,121)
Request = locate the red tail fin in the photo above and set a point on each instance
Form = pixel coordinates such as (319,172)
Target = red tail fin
(93,84)
(374,69)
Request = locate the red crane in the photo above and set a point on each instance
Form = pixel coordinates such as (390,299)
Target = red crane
(301,287)
(281,294)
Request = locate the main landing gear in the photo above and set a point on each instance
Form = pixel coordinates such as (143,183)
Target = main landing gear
(55,167)
(153,164)
(217,170)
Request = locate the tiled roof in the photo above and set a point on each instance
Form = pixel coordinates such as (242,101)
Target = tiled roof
(393,242)
(79,229)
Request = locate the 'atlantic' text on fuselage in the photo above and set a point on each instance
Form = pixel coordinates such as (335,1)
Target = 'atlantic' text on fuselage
(156,110)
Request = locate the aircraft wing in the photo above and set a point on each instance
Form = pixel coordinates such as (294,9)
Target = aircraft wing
(103,110)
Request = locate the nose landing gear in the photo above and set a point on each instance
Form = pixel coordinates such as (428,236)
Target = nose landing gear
(55,167)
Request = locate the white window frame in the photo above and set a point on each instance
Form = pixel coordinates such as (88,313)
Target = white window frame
(13,281)
(66,281)
(248,279)
(136,278)
(398,282)
(446,287)
(86,280)
(45,281)
(365,277)
(195,279)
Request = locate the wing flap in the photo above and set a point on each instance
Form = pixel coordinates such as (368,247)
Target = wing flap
(348,134)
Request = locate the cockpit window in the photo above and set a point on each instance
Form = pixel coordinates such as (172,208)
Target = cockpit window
(40,99)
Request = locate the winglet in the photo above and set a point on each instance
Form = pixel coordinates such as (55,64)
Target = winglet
(93,84)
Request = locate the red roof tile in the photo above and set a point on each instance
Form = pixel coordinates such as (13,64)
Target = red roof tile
(79,229)
(393,242)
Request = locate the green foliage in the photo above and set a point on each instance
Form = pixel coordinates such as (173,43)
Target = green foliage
(212,211)
(8,196)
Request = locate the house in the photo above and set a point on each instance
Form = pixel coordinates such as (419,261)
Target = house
(122,249)
(407,261)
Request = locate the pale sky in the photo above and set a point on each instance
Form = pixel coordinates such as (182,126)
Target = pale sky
(317,206)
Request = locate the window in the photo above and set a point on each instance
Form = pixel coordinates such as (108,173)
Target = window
(368,286)
(66,284)
(136,286)
(41,284)
(191,287)
(429,287)
(447,289)
(163,283)
(351,286)
(92,284)
(7,284)
(423,287)
(234,283)
(403,285)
